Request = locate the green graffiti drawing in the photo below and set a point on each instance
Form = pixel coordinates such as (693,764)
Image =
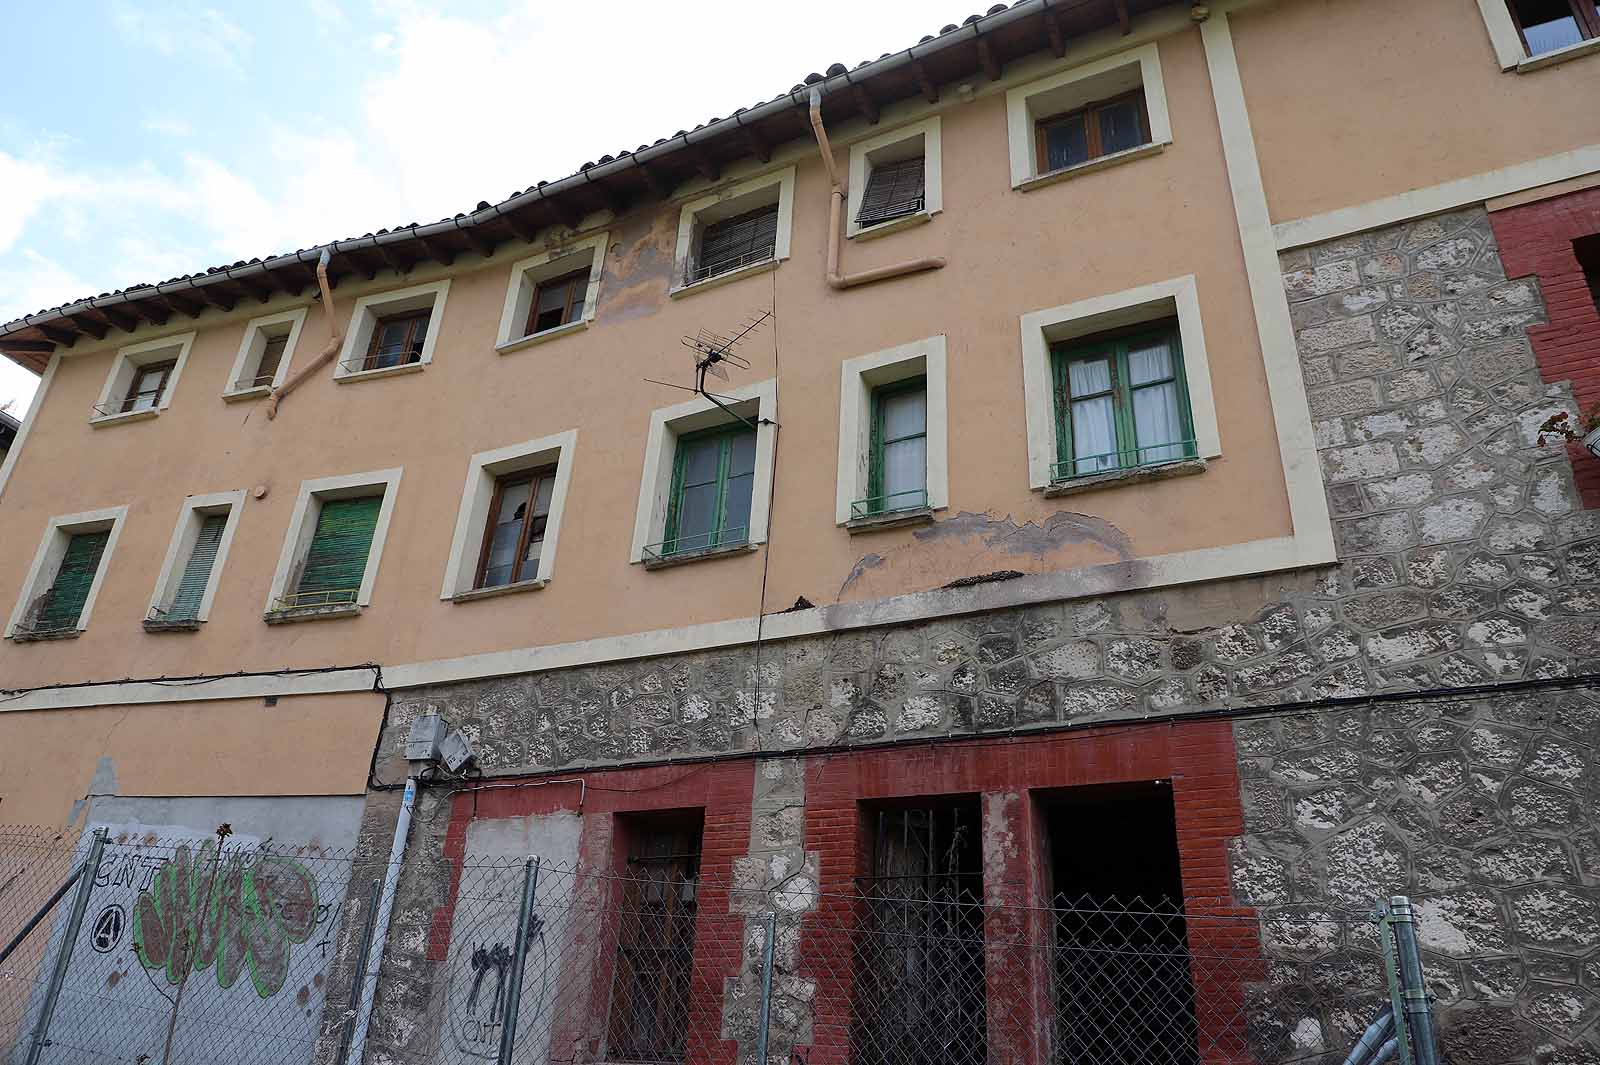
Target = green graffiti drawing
(201,912)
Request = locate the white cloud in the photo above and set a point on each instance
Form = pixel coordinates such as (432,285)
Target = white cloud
(206,35)
(167,126)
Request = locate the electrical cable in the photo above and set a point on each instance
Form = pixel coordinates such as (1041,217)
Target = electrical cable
(9,694)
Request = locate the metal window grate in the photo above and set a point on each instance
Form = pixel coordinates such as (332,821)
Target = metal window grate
(893,190)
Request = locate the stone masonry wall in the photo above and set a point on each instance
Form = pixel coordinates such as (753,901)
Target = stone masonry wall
(1465,560)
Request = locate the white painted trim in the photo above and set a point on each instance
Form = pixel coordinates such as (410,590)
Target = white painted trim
(733,199)
(15,454)
(1302,471)
(1417,203)
(369,308)
(47,559)
(184,533)
(254,330)
(551,261)
(128,360)
(1075,86)
(466,545)
(759,403)
(132,693)
(857,378)
(1503,36)
(303,523)
(865,153)
(1040,329)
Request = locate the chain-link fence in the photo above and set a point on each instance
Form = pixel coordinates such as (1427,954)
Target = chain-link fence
(199,951)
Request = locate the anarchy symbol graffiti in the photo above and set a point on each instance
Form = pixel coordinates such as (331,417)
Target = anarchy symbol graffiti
(108,928)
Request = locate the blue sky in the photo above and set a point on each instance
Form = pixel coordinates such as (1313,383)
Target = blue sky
(140,139)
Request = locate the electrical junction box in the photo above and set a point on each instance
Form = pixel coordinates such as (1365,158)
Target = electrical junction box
(427,733)
(455,752)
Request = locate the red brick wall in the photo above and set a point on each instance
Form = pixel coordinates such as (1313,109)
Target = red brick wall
(1536,239)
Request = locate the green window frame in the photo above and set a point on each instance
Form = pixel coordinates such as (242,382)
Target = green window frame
(336,561)
(725,529)
(62,605)
(1129,451)
(879,499)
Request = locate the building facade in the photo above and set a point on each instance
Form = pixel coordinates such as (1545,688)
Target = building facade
(1144,434)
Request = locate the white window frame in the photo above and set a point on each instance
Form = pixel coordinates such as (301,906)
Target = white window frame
(53,546)
(303,524)
(858,377)
(756,402)
(526,277)
(364,318)
(253,344)
(483,470)
(1507,42)
(865,153)
(1042,329)
(127,363)
(1026,104)
(725,203)
(195,510)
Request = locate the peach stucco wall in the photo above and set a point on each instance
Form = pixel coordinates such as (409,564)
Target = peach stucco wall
(1356,100)
(1010,253)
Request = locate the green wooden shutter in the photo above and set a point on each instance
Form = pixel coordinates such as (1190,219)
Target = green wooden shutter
(337,559)
(63,603)
(197,571)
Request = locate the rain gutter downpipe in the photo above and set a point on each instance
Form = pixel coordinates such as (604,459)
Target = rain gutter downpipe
(335,339)
(380,933)
(835,279)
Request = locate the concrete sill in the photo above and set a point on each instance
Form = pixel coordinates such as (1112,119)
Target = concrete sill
(1560,55)
(100,421)
(893,520)
(258,392)
(540,337)
(189,625)
(699,556)
(41,637)
(386,371)
(893,225)
(1090,166)
(498,590)
(310,613)
(722,279)
(1117,478)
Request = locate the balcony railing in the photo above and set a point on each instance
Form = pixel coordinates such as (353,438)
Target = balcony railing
(326,597)
(1111,461)
(696,543)
(893,503)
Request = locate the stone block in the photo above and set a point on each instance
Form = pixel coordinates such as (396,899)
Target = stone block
(1340,333)
(1352,397)
(1359,462)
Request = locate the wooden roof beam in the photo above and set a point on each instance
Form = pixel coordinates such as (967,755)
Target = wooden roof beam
(864,103)
(260,287)
(480,241)
(1124,23)
(125,322)
(181,304)
(523,229)
(757,144)
(986,56)
(217,298)
(437,250)
(930,91)
(59,336)
(1052,29)
(658,187)
(705,163)
(155,311)
(84,324)
(396,262)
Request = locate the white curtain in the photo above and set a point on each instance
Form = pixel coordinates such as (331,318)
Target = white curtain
(1094,428)
(1156,420)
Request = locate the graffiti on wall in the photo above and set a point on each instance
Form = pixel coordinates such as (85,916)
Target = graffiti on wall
(203,911)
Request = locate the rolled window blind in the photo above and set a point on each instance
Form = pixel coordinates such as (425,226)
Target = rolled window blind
(337,559)
(63,603)
(197,571)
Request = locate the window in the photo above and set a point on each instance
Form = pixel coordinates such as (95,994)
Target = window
(510,515)
(892,436)
(65,576)
(707,479)
(553,293)
(742,229)
(329,561)
(514,537)
(558,302)
(393,332)
(1548,25)
(397,340)
(655,941)
(1090,132)
(713,474)
(1121,401)
(194,560)
(893,189)
(1587,251)
(894,179)
(142,380)
(1117,382)
(1111,110)
(264,353)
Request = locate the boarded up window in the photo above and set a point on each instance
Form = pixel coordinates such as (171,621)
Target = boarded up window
(61,606)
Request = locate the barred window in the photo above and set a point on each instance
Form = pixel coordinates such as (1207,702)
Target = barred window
(655,942)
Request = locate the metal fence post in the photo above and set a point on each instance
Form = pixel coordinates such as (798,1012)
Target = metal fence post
(519,957)
(360,977)
(1413,987)
(58,976)
(766,988)
(1391,975)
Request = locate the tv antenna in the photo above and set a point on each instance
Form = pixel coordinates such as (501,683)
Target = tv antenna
(714,353)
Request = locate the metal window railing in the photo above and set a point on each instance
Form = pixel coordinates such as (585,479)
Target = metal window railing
(256,381)
(696,543)
(326,597)
(1133,458)
(382,361)
(696,271)
(890,211)
(892,503)
(172,614)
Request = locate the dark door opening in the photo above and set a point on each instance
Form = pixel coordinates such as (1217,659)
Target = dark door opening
(919,990)
(1123,990)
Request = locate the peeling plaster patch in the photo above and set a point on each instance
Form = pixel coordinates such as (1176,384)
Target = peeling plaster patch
(1036,539)
(865,563)
(999,842)
(638,269)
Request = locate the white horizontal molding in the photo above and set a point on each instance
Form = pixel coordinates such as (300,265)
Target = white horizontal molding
(133,693)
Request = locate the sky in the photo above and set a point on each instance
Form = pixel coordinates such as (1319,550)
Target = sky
(170,137)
